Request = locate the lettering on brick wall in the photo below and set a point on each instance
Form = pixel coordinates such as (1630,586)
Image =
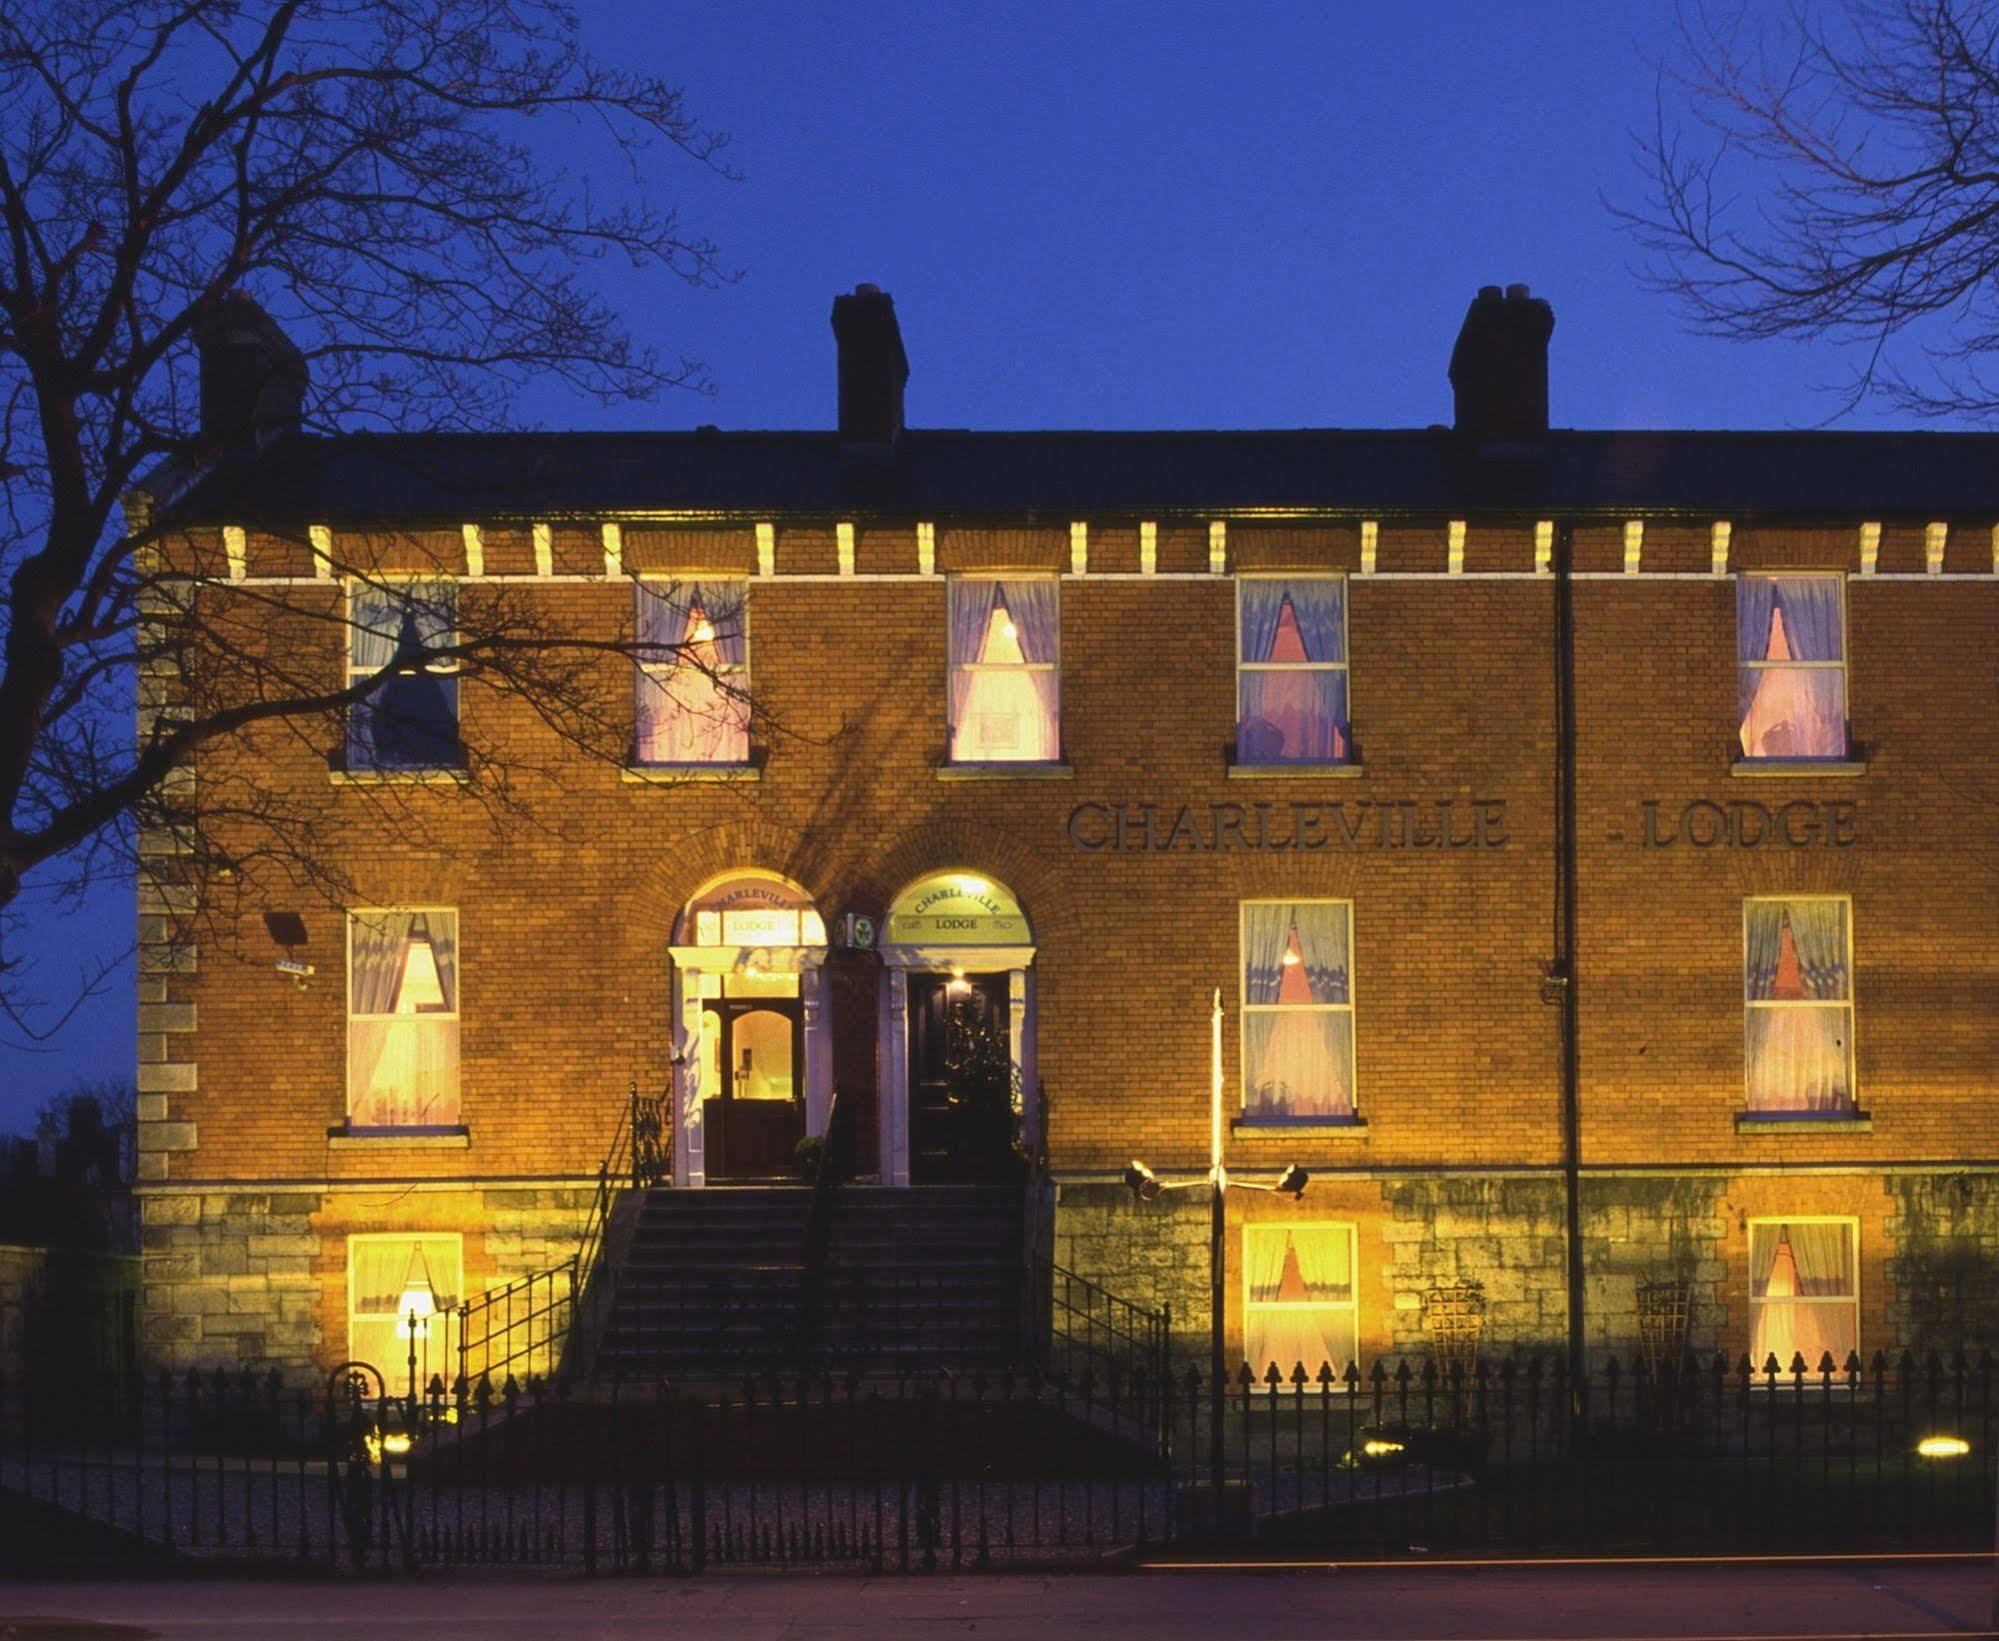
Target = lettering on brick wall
(1137,828)
(1742,824)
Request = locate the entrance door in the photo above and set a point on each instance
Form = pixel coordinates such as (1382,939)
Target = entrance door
(938,1151)
(754,1109)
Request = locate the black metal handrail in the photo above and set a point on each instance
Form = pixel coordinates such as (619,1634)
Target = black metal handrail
(818,1251)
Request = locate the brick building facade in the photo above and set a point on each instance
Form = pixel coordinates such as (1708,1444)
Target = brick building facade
(1748,998)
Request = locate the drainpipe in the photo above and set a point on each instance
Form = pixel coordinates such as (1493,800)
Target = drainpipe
(1560,987)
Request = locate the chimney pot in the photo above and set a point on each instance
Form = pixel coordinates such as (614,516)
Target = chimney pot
(873,367)
(1499,368)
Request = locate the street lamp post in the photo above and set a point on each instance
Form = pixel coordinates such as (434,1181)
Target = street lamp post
(1146,1186)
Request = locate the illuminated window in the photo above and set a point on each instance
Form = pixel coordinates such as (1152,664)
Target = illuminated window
(1006,670)
(693,672)
(1804,1292)
(410,719)
(1291,670)
(402,1019)
(1798,1006)
(1298,1298)
(390,1280)
(1790,644)
(1297,1016)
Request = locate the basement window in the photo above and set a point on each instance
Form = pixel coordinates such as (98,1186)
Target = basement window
(1791,667)
(402,1019)
(398,1288)
(1006,670)
(1798,1006)
(1291,670)
(1804,1293)
(1298,1299)
(693,673)
(409,721)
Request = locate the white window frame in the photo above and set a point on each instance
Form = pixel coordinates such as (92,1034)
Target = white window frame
(1245,1008)
(1849,1005)
(953,666)
(453,1015)
(1752,1303)
(392,1372)
(1342,666)
(1839,666)
(354,673)
(735,676)
(1351,1306)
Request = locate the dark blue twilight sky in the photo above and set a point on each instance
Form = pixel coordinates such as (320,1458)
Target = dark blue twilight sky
(1135,215)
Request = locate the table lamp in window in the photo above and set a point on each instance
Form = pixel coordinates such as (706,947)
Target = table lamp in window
(415,723)
(418,1303)
(1786,717)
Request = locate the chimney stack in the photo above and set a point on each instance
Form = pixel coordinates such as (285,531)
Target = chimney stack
(1499,368)
(253,380)
(873,367)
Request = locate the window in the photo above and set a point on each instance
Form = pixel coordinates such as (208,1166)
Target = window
(1804,1291)
(1006,670)
(410,719)
(1297,1026)
(1291,670)
(402,1019)
(1298,1298)
(1790,643)
(694,672)
(1798,1002)
(388,1278)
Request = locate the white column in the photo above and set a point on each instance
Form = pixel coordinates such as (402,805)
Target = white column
(895,1082)
(1020,1046)
(812,991)
(690,1164)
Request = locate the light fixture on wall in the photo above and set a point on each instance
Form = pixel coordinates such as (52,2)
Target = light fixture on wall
(287,929)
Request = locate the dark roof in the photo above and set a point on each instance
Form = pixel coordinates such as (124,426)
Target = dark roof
(417,477)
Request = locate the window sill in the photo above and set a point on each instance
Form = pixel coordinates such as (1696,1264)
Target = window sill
(676,774)
(1022,771)
(454,775)
(1804,1122)
(342,1138)
(1352,770)
(1786,768)
(1322,1127)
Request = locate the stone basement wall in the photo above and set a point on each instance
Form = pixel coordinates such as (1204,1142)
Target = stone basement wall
(1413,1235)
(236,1277)
(1943,1273)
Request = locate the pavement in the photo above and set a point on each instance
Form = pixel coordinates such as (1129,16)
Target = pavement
(1656,1601)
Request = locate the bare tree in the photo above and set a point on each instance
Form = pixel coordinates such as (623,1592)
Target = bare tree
(1831,174)
(221,220)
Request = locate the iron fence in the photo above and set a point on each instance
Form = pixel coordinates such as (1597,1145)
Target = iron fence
(934,1470)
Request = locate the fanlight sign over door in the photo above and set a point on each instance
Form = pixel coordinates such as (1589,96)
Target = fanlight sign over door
(956,909)
(750,911)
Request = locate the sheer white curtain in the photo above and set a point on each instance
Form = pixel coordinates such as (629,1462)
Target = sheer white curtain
(1803,1291)
(1799,1025)
(402,1029)
(1006,681)
(1299,1293)
(693,703)
(1297,1031)
(1790,711)
(1292,707)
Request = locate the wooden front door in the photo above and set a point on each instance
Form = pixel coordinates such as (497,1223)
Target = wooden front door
(755,1116)
(938,1153)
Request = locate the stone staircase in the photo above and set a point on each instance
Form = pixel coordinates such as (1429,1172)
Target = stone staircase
(712,1283)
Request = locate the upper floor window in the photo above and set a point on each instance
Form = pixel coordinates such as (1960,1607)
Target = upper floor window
(693,672)
(402,1018)
(1291,670)
(1297,1025)
(1790,645)
(1006,670)
(1798,992)
(410,719)
(1298,1298)
(1804,1292)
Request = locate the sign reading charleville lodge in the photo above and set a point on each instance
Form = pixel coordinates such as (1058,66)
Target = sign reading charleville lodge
(1436,823)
